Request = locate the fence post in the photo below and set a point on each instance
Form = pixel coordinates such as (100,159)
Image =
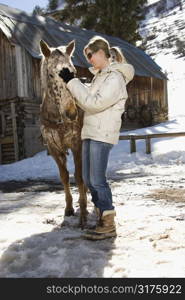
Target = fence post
(148,145)
(132,144)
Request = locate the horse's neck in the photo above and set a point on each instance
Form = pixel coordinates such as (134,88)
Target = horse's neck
(49,109)
(51,88)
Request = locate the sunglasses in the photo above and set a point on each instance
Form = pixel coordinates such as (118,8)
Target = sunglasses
(89,55)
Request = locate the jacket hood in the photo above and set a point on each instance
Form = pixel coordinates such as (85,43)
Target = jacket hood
(127,70)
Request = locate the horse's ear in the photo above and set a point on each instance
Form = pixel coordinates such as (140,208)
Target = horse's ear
(45,48)
(70,48)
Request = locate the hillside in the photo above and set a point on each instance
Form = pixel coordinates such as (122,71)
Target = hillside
(163,32)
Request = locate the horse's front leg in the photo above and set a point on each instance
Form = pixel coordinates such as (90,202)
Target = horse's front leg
(81,187)
(64,175)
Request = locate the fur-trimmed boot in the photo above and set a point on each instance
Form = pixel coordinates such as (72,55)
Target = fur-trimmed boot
(98,220)
(105,229)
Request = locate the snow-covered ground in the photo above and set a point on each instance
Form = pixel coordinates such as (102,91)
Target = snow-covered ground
(149,196)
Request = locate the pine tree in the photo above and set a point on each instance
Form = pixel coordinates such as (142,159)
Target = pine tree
(53,4)
(117,18)
(38,10)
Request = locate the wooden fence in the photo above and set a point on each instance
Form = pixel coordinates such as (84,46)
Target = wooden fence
(147,138)
(132,138)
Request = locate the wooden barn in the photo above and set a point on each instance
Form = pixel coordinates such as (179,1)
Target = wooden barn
(20,94)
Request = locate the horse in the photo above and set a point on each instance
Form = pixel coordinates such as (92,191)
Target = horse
(61,121)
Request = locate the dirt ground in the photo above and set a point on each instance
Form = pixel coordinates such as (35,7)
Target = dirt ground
(174,195)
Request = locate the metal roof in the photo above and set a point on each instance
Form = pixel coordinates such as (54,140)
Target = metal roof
(27,30)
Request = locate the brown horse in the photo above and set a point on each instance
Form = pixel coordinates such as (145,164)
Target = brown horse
(61,121)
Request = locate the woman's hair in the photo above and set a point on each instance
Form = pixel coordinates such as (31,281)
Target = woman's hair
(117,55)
(97,43)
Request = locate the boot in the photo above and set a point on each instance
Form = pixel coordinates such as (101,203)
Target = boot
(98,220)
(106,228)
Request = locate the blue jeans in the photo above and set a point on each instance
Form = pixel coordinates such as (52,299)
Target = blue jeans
(95,156)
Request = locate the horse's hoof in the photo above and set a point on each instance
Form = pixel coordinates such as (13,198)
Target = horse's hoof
(69,212)
(82,222)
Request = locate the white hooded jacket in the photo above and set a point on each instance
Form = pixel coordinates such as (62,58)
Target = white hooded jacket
(103,102)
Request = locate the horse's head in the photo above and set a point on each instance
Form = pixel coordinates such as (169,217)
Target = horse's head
(53,61)
(58,58)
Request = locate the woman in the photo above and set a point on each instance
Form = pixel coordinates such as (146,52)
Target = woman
(103,103)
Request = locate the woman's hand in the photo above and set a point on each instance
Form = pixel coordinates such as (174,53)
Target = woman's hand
(66,75)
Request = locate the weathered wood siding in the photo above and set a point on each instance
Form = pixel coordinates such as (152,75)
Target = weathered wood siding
(19,72)
(32,134)
(151,93)
(20,98)
(28,75)
(144,90)
(6,137)
(8,77)
(19,130)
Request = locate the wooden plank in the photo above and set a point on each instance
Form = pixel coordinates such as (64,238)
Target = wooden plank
(6,140)
(151,92)
(15,137)
(3,123)
(155,135)
(7,70)
(165,97)
(20,79)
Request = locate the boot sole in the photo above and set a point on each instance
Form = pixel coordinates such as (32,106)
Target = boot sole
(99,236)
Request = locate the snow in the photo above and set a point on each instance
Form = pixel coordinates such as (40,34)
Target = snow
(36,240)
(150,2)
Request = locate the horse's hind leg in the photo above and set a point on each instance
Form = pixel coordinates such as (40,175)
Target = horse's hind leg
(64,175)
(81,187)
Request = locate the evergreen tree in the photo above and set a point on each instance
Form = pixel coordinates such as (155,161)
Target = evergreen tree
(52,5)
(113,17)
(38,10)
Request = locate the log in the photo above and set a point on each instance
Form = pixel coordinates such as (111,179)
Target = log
(6,140)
